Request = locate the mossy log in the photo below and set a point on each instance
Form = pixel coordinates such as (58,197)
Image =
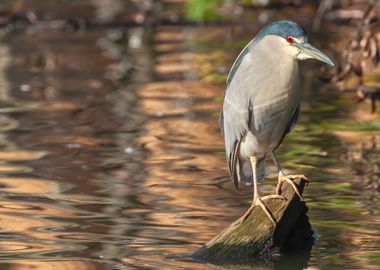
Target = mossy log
(258,237)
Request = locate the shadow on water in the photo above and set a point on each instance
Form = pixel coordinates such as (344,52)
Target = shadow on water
(111,154)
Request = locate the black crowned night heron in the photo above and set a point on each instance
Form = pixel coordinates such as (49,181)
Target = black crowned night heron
(262,103)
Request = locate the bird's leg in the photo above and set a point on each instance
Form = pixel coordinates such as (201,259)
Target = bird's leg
(286,178)
(257,200)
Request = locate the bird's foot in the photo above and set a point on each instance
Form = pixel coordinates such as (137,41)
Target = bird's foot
(260,202)
(290,180)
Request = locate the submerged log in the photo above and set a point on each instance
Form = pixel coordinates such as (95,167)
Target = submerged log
(258,237)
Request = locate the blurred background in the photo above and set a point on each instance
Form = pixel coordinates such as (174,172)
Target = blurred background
(110,150)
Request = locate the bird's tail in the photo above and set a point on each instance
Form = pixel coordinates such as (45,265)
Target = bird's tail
(246,174)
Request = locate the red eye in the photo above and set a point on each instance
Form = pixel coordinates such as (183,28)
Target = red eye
(289,39)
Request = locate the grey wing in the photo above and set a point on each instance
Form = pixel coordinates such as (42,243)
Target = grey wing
(293,119)
(237,63)
(233,124)
(292,123)
(236,115)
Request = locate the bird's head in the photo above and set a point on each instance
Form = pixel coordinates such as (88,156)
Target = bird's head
(292,39)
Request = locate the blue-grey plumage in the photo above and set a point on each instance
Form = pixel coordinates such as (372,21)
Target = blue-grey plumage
(262,98)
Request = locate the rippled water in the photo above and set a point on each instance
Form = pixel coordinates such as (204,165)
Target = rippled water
(111,156)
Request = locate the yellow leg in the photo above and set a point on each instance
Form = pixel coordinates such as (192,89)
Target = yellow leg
(257,200)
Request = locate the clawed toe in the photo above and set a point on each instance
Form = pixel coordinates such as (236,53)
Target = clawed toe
(247,213)
(290,180)
(260,202)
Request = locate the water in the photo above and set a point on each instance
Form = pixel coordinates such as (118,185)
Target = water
(111,155)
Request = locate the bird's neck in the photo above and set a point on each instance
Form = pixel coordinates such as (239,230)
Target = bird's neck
(277,68)
(272,53)
(276,73)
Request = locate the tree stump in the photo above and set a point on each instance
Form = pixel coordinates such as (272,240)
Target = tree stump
(258,237)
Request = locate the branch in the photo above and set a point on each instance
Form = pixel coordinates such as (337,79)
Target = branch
(258,237)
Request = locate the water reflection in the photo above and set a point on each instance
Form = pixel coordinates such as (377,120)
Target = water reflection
(111,155)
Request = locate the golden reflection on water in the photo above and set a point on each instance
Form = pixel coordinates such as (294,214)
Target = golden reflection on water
(55,264)
(27,220)
(104,170)
(184,144)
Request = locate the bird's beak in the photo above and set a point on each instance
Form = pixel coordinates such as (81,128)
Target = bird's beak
(309,51)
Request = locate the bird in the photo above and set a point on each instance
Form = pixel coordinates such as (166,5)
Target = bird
(261,104)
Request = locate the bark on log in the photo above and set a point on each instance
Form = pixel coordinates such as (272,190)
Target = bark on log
(258,237)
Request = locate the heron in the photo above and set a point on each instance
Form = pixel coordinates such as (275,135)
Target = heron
(262,103)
